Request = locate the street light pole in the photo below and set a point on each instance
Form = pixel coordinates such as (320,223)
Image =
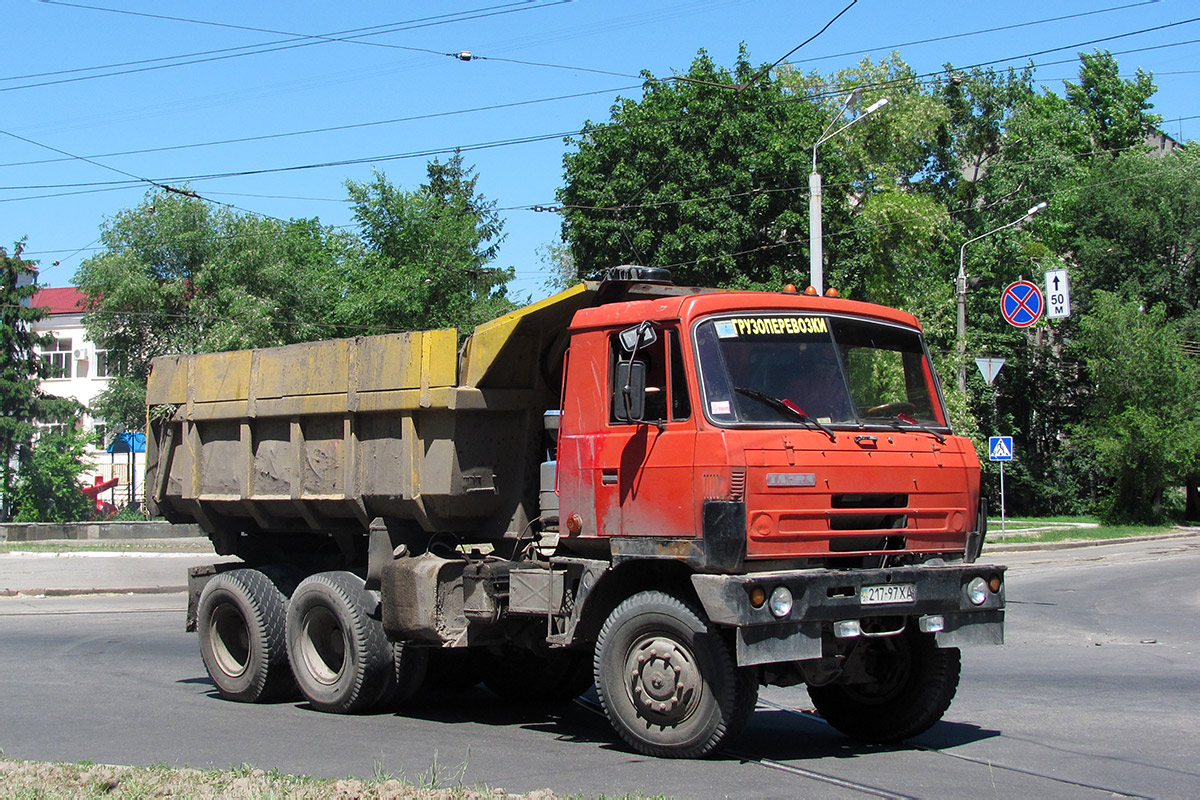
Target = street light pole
(960,289)
(816,255)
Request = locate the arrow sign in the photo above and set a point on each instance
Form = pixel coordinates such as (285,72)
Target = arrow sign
(1021,304)
(1000,448)
(1058,294)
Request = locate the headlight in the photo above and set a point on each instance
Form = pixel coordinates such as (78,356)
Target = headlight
(977,591)
(781,602)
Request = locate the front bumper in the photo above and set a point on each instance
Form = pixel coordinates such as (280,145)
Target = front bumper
(822,598)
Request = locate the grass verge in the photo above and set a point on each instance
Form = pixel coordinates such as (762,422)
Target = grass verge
(1067,529)
(35,780)
(181,545)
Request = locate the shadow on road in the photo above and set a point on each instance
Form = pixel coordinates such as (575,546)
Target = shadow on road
(773,734)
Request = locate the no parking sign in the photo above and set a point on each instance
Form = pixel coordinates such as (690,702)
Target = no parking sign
(1021,304)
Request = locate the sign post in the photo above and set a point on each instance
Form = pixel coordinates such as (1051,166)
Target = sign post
(1000,448)
(1058,294)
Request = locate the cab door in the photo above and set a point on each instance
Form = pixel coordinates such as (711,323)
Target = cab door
(646,465)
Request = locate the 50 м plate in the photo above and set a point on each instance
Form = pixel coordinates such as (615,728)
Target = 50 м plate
(887,593)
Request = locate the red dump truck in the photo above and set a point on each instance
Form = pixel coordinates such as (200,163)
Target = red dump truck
(677,494)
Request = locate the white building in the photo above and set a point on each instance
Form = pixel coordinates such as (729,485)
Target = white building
(77,369)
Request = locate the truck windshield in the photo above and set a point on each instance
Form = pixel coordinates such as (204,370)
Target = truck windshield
(838,371)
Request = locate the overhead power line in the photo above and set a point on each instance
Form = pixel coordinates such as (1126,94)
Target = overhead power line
(998,29)
(332,128)
(297,41)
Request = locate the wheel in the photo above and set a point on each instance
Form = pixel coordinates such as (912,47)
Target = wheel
(554,676)
(240,619)
(912,684)
(409,667)
(342,660)
(667,681)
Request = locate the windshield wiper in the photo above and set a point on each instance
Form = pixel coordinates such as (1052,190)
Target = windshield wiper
(898,421)
(786,407)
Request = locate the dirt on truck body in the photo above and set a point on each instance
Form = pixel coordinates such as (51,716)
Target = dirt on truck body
(676,494)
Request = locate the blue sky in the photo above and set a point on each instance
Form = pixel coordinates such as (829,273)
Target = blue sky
(547,66)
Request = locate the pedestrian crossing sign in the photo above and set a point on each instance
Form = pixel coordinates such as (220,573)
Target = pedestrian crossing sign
(1000,448)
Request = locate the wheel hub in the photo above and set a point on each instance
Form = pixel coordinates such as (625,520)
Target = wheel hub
(663,679)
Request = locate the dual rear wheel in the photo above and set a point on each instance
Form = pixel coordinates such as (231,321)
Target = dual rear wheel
(327,640)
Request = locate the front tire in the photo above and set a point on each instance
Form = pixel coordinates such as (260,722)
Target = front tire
(342,660)
(240,620)
(912,684)
(667,680)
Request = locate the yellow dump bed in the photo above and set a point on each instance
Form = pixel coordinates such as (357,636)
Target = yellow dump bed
(330,435)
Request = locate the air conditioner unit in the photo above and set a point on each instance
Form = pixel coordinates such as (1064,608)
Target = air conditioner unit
(81,354)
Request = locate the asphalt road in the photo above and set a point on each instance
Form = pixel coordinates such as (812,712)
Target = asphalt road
(1096,693)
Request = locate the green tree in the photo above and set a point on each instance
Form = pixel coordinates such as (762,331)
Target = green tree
(1115,110)
(1136,228)
(1143,423)
(706,174)
(178,275)
(20,367)
(426,254)
(47,486)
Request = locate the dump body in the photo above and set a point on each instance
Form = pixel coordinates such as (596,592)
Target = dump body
(327,436)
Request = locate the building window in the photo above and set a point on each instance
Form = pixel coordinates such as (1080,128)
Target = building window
(52,429)
(106,367)
(58,359)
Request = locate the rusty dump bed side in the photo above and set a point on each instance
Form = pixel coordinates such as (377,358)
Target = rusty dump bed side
(327,436)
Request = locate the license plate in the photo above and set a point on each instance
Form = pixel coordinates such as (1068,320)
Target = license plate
(888,593)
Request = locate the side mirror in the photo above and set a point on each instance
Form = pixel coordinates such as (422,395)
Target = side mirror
(637,337)
(629,398)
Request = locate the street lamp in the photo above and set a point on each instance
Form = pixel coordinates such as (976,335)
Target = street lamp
(816,269)
(961,291)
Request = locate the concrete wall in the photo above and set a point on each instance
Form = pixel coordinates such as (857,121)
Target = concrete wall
(37,531)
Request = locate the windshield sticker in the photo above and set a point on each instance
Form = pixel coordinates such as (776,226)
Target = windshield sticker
(725,329)
(779,326)
(720,408)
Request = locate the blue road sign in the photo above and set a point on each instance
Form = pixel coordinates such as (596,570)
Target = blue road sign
(1000,448)
(1021,304)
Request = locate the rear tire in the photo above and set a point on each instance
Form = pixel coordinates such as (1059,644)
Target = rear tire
(913,683)
(240,619)
(410,664)
(667,680)
(342,660)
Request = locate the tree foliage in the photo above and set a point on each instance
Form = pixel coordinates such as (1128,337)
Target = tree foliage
(426,255)
(47,486)
(179,275)
(1143,422)
(1116,112)
(20,367)
(705,174)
